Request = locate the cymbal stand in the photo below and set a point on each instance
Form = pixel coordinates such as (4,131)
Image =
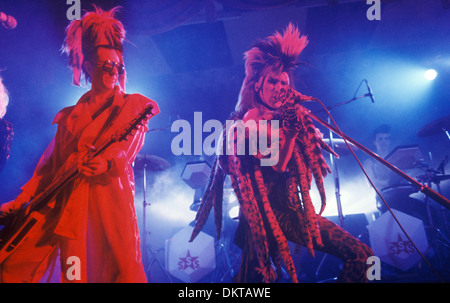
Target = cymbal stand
(147,247)
(438,239)
(222,248)
(336,182)
(337,191)
(435,176)
(224,242)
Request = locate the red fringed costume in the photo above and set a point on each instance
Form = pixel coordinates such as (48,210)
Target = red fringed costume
(276,206)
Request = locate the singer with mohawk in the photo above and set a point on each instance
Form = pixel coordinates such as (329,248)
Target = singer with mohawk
(275,201)
(92,226)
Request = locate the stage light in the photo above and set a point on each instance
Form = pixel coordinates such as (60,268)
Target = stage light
(430,74)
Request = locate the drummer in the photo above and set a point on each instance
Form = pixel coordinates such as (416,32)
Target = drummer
(380,175)
(394,189)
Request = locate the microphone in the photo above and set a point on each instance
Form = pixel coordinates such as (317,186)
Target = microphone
(8,21)
(298,97)
(370,93)
(302,98)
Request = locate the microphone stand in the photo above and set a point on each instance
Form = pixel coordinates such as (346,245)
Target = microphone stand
(337,189)
(425,189)
(348,101)
(334,164)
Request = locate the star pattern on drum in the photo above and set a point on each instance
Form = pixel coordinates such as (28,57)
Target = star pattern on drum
(188,262)
(401,246)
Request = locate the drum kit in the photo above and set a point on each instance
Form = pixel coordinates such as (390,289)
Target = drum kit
(407,158)
(428,218)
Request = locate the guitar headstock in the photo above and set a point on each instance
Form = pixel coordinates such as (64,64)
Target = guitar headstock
(140,120)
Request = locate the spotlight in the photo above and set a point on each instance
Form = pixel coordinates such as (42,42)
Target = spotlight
(430,74)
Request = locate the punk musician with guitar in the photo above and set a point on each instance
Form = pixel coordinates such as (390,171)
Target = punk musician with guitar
(79,203)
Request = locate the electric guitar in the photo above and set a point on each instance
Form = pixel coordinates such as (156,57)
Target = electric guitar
(19,225)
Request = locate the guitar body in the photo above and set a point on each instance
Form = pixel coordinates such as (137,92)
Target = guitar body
(14,233)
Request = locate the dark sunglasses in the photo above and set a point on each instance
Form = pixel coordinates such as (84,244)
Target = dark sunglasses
(108,66)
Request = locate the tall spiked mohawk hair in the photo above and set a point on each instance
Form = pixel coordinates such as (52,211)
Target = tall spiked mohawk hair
(95,29)
(278,52)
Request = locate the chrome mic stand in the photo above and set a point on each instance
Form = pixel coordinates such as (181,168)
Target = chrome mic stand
(337,192)
(337,189)
(333,161)
(146,246)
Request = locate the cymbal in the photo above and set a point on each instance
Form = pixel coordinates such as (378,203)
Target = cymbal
(433,178)
(340,147)
(436,127)
(438,178)
(151,162)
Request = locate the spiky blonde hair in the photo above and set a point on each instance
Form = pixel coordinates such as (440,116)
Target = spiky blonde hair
(95,29)
(278,52)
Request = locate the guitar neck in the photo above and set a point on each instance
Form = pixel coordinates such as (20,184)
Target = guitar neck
(43,197)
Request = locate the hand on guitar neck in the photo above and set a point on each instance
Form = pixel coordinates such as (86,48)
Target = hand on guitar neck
(89,166)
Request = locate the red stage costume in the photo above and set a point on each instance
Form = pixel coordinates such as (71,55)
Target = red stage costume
(94,217)
(275,204)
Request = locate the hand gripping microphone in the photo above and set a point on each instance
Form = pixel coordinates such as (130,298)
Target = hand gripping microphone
(296,96)
(299,98)
(8,21)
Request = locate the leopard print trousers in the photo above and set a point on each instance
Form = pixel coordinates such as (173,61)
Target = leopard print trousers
(336,240)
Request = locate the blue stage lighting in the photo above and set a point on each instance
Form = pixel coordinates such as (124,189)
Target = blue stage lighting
(430,74)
